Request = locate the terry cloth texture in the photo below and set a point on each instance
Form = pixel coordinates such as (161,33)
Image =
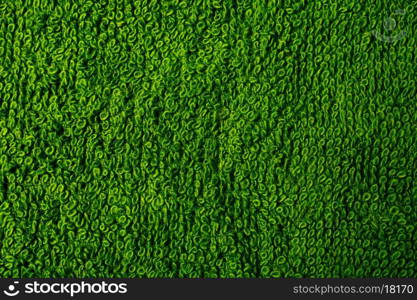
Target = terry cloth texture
(236,138)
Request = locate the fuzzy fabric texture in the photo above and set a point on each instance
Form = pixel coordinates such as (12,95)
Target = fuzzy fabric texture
(208,138)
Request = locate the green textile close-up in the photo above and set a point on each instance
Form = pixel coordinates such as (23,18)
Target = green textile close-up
(208,138)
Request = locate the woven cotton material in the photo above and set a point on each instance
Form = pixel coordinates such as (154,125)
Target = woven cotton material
(236,138)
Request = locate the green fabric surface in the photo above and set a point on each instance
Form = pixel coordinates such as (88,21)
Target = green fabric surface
(236,138)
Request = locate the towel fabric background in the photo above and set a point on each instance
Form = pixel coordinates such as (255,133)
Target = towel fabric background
(208,138)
